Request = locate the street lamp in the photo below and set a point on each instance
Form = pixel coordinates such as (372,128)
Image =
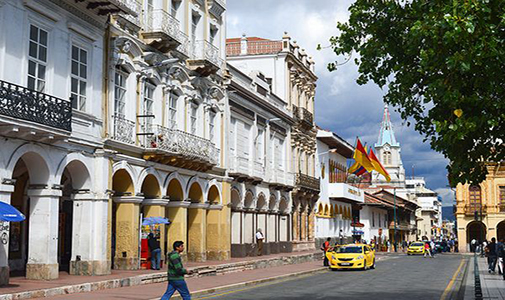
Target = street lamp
(394,218)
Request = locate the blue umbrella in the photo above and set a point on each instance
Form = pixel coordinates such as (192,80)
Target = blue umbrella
(9,213)
(155,220)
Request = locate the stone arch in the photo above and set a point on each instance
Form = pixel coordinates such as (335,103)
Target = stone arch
(214,195)
(283,205)
(123,165)
(320,209)
(272,203)
(195,192)
(153,172)
(332,211)
(500,231)
(249,199)
(261,203)
(150,187)
(236,201)
(79,173)
(326,210)
(476,230)
(174,189)
(35,159)
(122,183)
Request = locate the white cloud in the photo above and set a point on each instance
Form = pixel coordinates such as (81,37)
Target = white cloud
(447,196)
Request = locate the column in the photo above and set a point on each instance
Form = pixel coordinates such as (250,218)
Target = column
(5,196)
(177,213)
(295,225)
(43,234)
(89,243)
(197,224)
(127,232)
(218,232)
(157,208)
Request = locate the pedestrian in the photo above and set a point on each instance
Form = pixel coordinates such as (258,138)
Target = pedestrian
(456,246)
(326,247)
(427,249)
(259,241)
(154,247)
(389,245)
(473,245)
(176,274)
(404,245)
(432,248)
(500,252)
(491,254)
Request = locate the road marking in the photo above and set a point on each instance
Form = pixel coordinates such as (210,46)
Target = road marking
(255,286)
(451,283)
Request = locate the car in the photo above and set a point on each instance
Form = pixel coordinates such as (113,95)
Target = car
(416,248)
(352,256)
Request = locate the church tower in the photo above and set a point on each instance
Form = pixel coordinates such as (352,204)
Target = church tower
(388,151)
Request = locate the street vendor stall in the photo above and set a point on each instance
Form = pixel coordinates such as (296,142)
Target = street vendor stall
(154,225)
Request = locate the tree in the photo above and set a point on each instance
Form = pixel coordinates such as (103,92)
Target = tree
(442,65)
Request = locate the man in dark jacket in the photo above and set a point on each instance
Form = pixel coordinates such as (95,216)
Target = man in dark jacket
(154,247)
(492,255)
(176,274)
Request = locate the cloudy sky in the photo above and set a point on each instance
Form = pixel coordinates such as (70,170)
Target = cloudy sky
(342,106)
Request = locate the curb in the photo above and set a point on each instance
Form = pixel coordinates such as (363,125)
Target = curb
(209,270)
(459,289)
(248,283)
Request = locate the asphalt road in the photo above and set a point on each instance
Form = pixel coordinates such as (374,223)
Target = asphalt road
(396,277)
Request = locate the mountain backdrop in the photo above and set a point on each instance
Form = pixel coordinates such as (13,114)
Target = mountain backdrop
(448,213)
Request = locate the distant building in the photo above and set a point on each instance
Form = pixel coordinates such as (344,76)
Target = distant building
(480,209)
(338,200)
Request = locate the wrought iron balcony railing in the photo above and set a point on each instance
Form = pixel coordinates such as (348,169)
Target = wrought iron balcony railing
(22,103)
(136,7)
(160,21)
(307,181)
(307,116)
(124,129)
(203,50)
(471,209)
(183,144)
(185,47)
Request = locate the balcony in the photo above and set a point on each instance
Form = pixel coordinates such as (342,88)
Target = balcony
(470,210)
(205,58)
(179,148)
(216,8)
(132,17)
(33,115)
(184,49)
(162,30)
(105,7)
(124,130)
(307,182)
(306,117)
(346,192)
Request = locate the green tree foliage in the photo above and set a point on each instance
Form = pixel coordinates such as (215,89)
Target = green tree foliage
(442,65)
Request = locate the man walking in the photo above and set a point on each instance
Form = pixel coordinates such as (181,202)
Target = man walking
(326,247)
(154,247)
(259,241)
(491,255)
(176,274)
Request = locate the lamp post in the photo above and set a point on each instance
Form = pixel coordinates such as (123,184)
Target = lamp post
(394,218)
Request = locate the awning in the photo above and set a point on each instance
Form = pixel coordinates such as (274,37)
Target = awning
(9,213)
(358,232)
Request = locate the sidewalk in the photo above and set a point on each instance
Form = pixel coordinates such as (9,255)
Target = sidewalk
(493,285)
(22,288)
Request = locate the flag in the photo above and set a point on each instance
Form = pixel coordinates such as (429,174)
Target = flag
(378,166)
(361,157)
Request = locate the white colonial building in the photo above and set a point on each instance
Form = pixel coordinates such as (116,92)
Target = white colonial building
(259,132)
(52,164)
(429,213)
(109,111)
(339,202)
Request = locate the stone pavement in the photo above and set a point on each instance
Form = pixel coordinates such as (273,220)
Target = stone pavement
(22,288)
(493,285)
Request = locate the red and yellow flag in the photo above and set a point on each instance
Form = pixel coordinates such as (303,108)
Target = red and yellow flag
(378,166)
(361,157)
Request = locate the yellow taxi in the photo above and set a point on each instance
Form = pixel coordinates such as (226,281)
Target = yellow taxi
(416,248)
(352,256)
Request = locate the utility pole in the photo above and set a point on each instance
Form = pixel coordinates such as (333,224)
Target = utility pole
(394,218)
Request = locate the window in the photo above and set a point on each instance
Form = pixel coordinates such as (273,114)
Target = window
(37,61)
(213,34)
(147,107)
(195,18)
(212,118)
(502,197)
(233,139)
(373,219)
(247,140)
(260,144)
(174,7)
(78,77)
(387,158)
(379,219)
(282,154)
(194,110)
(119,92)
(172,110)
(475,197)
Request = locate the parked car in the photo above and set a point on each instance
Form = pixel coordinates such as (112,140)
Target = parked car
(416,248)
